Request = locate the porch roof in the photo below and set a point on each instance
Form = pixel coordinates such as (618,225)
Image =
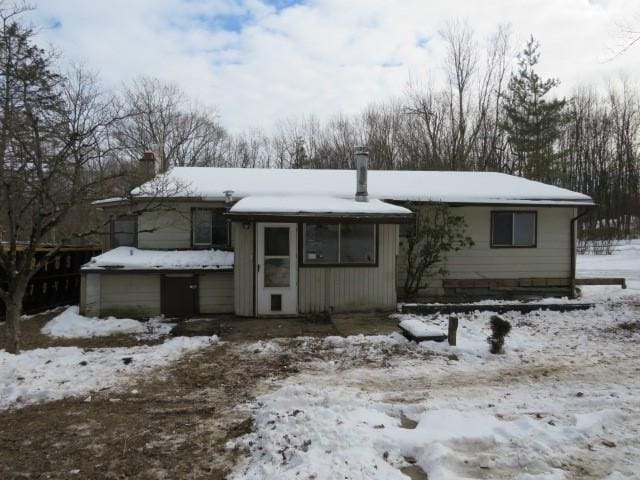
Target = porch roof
(317,207)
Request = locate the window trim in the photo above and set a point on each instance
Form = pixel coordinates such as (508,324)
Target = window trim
(301,256)
(203,246)
(112,233)
(512,212)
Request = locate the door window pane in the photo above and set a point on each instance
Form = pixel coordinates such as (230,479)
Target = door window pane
(124,232)
(320,243)
(357,243)
(276,272)
(276,241)
(202,227)
(524,229)
(502,228)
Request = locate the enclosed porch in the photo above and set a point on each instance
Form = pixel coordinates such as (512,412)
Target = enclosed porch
(299,255)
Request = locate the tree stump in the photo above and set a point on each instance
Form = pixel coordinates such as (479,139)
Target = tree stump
(453,330)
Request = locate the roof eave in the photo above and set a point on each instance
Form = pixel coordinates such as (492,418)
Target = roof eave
(293,217)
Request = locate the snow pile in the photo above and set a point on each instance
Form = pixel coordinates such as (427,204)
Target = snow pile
(70,324)
(132,258)
(315,204)
(48,374)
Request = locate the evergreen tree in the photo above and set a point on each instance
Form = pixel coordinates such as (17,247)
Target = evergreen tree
(533,124)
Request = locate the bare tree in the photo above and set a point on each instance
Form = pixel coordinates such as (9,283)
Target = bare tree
(459,121)
(628,35)
(162,119)
(54,159)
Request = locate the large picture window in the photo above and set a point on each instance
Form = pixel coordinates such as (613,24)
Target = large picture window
(124,232)
(339,244)
(210,228)
(513,229)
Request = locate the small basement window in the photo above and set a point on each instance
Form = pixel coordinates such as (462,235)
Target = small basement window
(514,229)
(339,244)
(210,228)
(124,231)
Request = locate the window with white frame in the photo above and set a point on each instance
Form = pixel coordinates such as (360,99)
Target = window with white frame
(513,229)
(210,228)
(124,231)
(339,244)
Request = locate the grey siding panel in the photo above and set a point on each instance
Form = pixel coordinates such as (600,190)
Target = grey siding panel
(170,227)
(550,259)
(216,292)
(352,288)
(165,229)
(134,295)
(243,269)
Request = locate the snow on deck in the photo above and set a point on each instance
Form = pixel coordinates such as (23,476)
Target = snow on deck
(315,204)
(425,186)
(130,258)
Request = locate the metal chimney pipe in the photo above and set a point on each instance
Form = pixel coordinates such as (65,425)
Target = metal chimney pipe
(362,165)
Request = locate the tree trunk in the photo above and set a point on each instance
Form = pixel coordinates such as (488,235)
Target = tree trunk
(14,311)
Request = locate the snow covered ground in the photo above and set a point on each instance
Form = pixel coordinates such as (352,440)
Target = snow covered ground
(46,374)
(70,324)
(54,373)
(625,262)
(562,402)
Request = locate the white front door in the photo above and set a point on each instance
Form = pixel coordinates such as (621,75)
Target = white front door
(277,268)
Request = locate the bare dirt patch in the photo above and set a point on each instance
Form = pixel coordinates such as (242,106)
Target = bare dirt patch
(174,425)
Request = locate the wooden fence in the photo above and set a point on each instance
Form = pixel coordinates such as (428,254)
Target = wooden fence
(58,283)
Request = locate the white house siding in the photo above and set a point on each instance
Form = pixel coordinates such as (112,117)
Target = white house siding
(216,292)
(129,295)
(137,295)
(90,302)
(169,228)
(550,259)
(352,288)
(243,269)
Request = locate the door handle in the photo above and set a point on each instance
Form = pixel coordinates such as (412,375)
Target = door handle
(193,287)
(258,265)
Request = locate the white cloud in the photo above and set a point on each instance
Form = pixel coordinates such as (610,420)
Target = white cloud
(258,64)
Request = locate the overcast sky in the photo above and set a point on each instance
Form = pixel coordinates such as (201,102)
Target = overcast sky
(257,62)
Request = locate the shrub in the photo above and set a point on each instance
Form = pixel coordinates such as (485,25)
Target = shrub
(436,233)
(499,329)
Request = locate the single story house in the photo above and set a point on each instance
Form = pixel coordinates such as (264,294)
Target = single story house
(258,242)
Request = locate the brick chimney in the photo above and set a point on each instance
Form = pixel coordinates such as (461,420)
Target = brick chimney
(147,166)
(362,165)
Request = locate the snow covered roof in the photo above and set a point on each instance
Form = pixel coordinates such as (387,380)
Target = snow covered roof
(316,204)
(209,183)
(130,258)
